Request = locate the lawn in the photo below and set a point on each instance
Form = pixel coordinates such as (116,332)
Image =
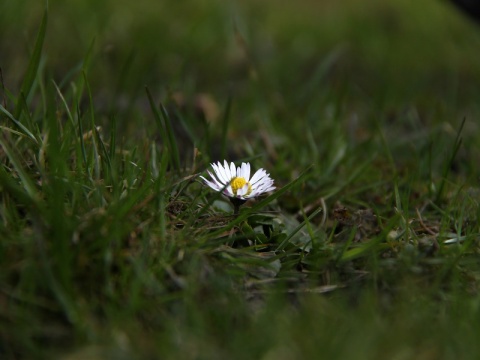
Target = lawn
(364,113)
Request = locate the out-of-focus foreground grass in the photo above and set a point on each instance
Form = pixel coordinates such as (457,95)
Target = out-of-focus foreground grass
(365,114)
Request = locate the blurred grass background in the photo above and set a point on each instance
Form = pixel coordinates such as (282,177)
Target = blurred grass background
(94,263)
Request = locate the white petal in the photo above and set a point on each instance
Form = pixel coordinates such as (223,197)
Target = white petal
(245,171)
(257,176)
(218,171)
(228,175)
(257,191)
(240,171)
(253,194)
(260,181)
(226,172)
(264,189)
(223,173)
(243,190)
(268,185)
(225,169)
(262,186)
(211,184)
(233,170)
(219,183)
(228,191)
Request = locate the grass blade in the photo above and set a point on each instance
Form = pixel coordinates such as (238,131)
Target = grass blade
(171,137)
(27,182)
(22,127)
(82,142)
(62,98)
(96,153)
(158,118)
(160,184)
(33,64)
(166,131)
(456,146)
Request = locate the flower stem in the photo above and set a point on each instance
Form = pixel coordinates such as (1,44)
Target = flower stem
(236,202)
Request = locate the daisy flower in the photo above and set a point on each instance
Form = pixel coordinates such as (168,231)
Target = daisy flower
(235,182)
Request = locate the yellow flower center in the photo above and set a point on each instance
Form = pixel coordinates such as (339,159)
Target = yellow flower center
(238,183)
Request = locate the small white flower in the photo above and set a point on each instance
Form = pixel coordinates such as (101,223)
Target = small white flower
(236,182)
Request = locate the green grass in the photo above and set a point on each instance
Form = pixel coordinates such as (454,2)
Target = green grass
(364,114)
